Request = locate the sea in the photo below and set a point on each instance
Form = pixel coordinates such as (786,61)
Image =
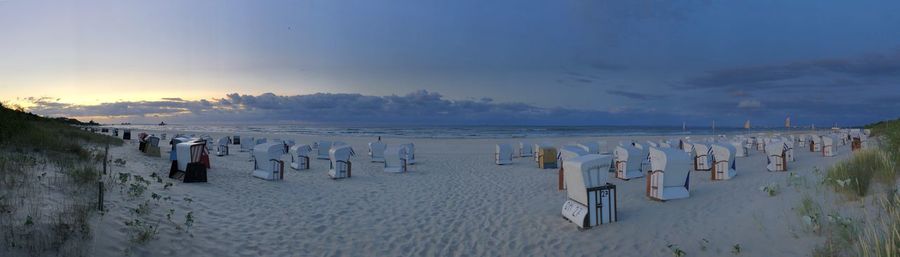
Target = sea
(449,132)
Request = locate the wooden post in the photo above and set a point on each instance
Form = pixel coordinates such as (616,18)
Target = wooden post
(105,158)
(561,178)
(100,196)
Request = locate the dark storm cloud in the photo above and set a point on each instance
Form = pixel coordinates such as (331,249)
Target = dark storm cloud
(843,72)
(417,107)
(632,95)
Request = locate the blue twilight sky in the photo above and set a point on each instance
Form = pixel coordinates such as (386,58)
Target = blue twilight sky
(577,62)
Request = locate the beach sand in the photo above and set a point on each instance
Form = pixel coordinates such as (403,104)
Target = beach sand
(454,202)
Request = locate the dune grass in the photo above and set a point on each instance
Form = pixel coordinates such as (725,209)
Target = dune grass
(877,232)
(48,184)
(881,236)
(855,176)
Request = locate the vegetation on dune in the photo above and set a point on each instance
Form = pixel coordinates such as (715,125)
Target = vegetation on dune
(853,177)
(48,190)
(875,231)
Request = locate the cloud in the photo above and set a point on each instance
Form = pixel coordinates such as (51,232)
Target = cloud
(418,107)
(820,73)
(749,103)
(632,95)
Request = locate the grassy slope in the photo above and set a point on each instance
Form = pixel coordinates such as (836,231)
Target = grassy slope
(48,175)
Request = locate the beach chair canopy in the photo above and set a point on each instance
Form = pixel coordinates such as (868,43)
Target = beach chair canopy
(268,151)
(590,147)
(224,141)
(570,151)
(340,153)
(669,160)
(301,150)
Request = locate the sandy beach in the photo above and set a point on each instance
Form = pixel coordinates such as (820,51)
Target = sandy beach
(456,202)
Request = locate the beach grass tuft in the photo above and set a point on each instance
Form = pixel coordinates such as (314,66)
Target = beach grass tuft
(854,176)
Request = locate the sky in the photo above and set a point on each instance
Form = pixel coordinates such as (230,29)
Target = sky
(516,62)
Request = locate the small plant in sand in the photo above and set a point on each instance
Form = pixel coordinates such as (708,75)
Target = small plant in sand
(141,231)
(794,180)
(736,249)
(676,251)
(189,222)
(123,178)
(142,209)
(119,162)
(167,186)
(771,189)
(704,244)
(169,214)
(810,212)
(136,190)
(155,176)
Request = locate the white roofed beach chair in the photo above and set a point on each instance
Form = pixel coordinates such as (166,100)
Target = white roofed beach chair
(776,159)
(670,174)
(700,154)
(525,150)
(723,167)
(410,153)
(394,161)
(300,157)
(828,147)
(627,162)
(191,161)
(591,199)
(267,163)
(222,146)
(341,167)
(503,154)
(322,148)
(376,151)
